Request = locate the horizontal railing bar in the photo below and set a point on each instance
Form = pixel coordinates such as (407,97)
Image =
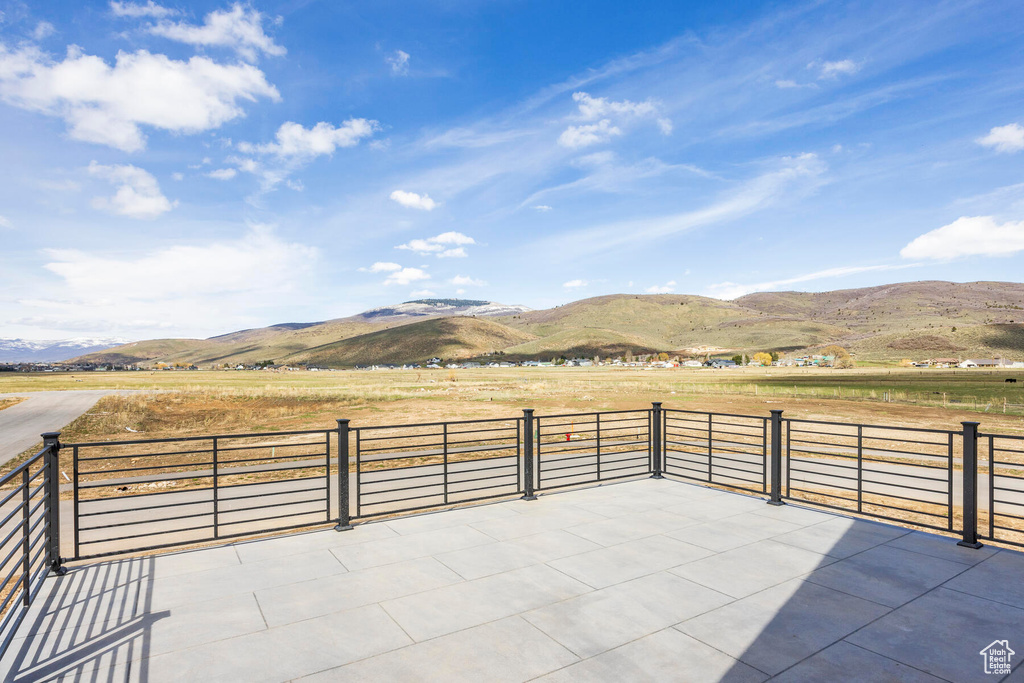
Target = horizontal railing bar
(252,435)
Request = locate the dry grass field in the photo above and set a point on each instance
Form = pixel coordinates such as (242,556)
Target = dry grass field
(209,402)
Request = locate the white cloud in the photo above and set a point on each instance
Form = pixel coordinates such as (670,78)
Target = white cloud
(834,69)
(138,193)
(593,108)
(43,29)
(177,175)
(293,140)
(5,222)
(258,262)
(199,286)
(1008,138)
(968,236)
(382,267)
(422,293)
(399,62)
(465,280)
(574,284)
(135,10)
(108,104)
(666,288)
(575,137)
(543,208)
(603,111)
(239,28)
(440,245)
(222,174)
(732,290)
(413,200)
(785,84)
(406,276)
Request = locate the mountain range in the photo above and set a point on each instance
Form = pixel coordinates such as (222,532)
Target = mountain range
(50,351)
(905,320)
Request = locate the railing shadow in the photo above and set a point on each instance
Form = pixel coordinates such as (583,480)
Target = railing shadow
(93,624)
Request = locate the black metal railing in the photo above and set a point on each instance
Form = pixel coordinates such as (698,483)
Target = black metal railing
(401,468)
(149,494)
(30,533)
(717,448)
(584,448)
(1004,519)
(900,474)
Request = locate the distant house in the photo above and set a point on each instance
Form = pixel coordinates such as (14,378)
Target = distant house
(692,364)
(720,363)
(980,363)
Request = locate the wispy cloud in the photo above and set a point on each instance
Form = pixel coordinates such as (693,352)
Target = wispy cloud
(791,178)
(574,284)
(399,62)
(134,10)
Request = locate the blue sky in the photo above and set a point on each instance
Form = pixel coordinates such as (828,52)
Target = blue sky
(178,169)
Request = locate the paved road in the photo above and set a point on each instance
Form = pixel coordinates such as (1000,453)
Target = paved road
(42,411)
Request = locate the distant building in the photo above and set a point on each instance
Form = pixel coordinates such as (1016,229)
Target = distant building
(981,363)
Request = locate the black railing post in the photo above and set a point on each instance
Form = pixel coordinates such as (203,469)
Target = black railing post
(528,493)
(970,485)
(344,524)
(51,442)
(776,489)
(656,439)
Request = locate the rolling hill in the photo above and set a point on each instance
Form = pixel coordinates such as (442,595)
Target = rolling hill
(890,322)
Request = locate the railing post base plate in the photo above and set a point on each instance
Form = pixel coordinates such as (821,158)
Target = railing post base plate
(344,527)
(657,475)
(775,502)
(967,544)
(59,569)
(528,497)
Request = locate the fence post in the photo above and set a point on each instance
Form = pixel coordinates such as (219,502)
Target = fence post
(970,485)
(344,524)
(528,493)
(776,488)
(656,439)
(51,442)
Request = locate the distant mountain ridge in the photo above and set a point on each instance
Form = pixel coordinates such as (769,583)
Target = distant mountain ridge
(422,308)
(51,350)
(915,320)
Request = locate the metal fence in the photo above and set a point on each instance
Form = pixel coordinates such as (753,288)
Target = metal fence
(131,496)
(1004,518)
(31,535)
(899,474)
(717,448)
(141,495)
(402,468)
(583,448)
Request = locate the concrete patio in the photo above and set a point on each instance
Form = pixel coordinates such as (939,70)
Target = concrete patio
(643,580)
